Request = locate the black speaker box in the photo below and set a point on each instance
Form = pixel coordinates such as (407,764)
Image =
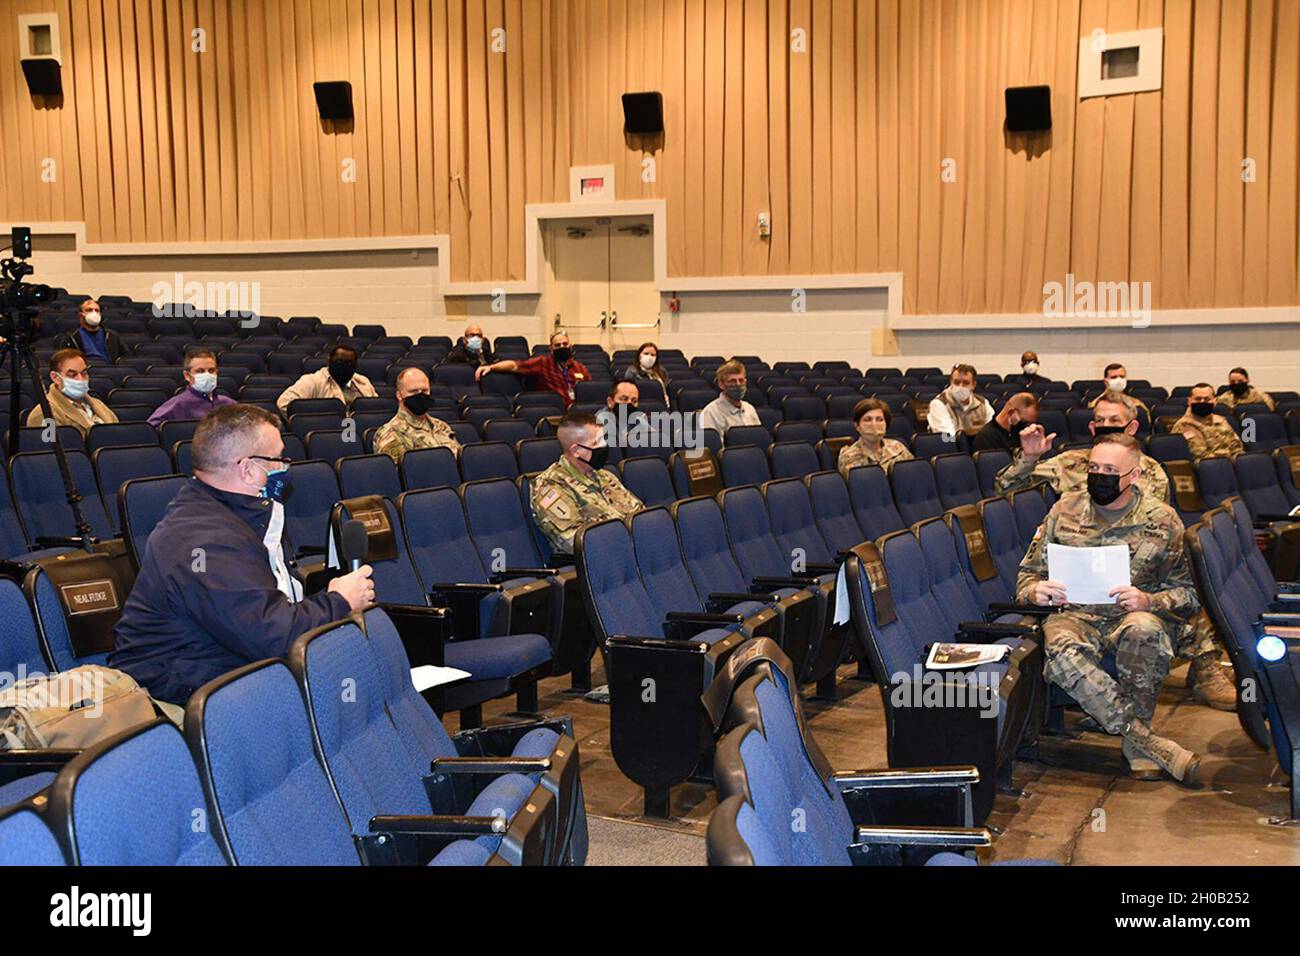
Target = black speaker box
(1029,109)
(643,113)
(42,74)
(334,99)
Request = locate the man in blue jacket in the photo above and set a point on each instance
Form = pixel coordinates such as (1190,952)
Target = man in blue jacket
(214,591)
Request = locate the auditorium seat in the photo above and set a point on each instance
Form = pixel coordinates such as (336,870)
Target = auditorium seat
(792,459)
(957,480)
(430,468)
(988,463)
(500,665)
(1262,430)
(873,501)
(368,475)
(739,435)
(313,490)
(110,819)
(833,511)
(38,485)
(26,840)
(488,460)
(929,444)
(797,431)
(1030,510)
(116,464)
(648,479)
(915,490)
(1217,480)
(744,465)
(1257,484)
(1286,462)
(141,503)
(536,454)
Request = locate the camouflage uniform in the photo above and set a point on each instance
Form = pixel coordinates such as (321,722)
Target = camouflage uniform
(564,500)
(1068,472)
(1208,437)
(1253,396)
(404,432)
(890,451)
(1078,636)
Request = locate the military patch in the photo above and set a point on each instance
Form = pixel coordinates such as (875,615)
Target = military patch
(548,499)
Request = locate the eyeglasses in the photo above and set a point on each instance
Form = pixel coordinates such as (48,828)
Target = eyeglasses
(286,462)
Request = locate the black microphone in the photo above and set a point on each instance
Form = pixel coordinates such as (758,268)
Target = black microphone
(354,544)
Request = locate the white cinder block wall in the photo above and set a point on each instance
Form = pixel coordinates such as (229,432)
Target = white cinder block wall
(399,289)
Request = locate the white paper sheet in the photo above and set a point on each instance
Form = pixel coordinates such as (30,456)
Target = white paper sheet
(1089,574)
(430,675)
(842,610)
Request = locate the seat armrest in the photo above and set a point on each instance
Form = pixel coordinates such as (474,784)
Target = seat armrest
(502,576)
(821,567)
(966,837)
(1288,587)
(56,541)
(683,625)
(991,631)
(724,599)
(907,777)
(1283,620)
(440,824)
(463,765)
(463,601)
(766,583)
(15,764)
(1011,607)
(665,643)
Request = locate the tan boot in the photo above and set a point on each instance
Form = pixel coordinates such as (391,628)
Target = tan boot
(1140,766)
(1174,759)
(1211,682)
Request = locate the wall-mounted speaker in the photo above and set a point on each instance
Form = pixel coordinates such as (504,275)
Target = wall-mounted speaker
(1029,109)
(643,113)
(42,75)
(334,99)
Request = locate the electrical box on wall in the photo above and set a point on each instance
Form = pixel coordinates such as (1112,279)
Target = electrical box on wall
(1114,63)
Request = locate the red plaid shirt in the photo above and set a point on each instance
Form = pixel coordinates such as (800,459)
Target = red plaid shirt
(553,377)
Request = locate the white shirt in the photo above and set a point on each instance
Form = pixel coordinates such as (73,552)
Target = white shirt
(940,418)
(720,415)
(285,582)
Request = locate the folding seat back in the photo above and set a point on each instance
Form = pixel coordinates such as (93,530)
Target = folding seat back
(659,560)
(537,454)
(25,840)
(927,445)
(117,464)
(141,504)
(988,463)
(169,433)
(430,468)
(695,473)
(439,539)
(313,490)
(1286,462)
(648,479)
(368,475)
(749,530)
(744,465)
(798,431)
(132,801)
(13,540)
(915,491)
(34,439)
(873,501)
(487,460)
(807,408)
(790,511)
(456,376)
(793,459)
(498,524)
(272,802)
(1258,486)
(38,486)
(333,444)
(1168,447)
(71,636)
(913,603)
(957,480)
(617,598)
(1217,479)
(1005,547)
(703,538)
(395,578)
(739,435)
(833,511)
(1031,509)
(1254,559)
(950,580)
(1262,431)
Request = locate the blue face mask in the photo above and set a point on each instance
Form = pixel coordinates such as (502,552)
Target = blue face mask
(76,388)
(277,480)
(474,343)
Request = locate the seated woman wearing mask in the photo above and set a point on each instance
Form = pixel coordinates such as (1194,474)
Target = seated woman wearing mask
(646,368)
(872,418)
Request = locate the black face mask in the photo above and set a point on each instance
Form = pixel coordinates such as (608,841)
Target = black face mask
(599,456)
(1103,489)
(1202,409)
(1099,430)
(342,370)
(562,355)
(1239,388)
(1020,426)
(418,403)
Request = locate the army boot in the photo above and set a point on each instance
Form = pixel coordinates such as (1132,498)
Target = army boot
(1140,766)
(1175,760)
(1210,682)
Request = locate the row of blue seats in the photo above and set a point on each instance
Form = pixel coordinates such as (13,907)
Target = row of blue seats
(286,772)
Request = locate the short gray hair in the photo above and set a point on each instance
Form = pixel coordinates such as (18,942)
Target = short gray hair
(225,434)
(1119,398)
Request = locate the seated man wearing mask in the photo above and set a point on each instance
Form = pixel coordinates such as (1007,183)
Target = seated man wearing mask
(557,372)
(1113,413)
(577,490)
(472,349)
(1139,623)
(1018,413)
(91,337)
(872,417)
(413,427)
(200,395)
(1208,435)
(957,408)
(1241,392)
(69,395)
(1029,369)
(339,379)
(214,591)
(730,407)
(1116,377)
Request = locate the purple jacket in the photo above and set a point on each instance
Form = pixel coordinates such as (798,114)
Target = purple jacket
(190,405)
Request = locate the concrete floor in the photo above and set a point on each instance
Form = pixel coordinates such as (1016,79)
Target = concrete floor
(1078,807)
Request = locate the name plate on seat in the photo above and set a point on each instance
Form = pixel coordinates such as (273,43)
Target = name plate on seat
(381,543)
(1182,480)
(874,568)
(91,587)
(971,525)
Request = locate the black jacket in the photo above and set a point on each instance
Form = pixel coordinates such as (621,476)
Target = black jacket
(460,353)
(72,340)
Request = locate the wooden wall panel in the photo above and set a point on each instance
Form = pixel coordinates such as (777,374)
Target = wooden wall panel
(841,140)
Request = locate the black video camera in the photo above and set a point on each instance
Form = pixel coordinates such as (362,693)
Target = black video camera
(18,300)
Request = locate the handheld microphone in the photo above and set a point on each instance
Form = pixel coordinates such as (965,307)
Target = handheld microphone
(354,544)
